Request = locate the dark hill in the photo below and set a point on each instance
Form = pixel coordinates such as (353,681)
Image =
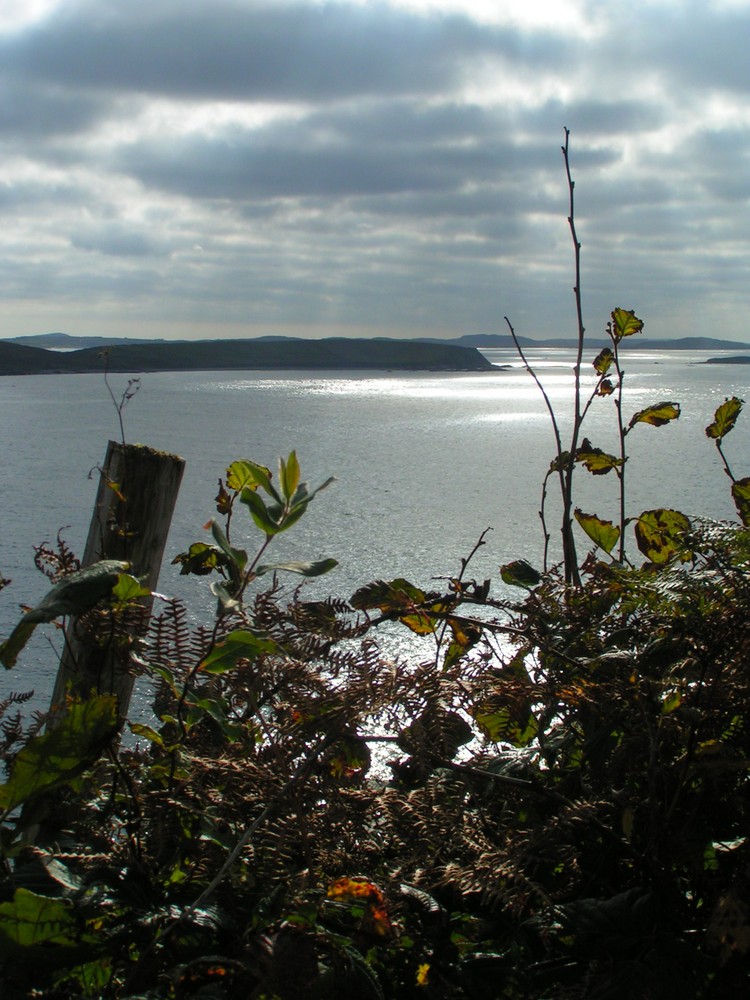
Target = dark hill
(16,359)
(638,343)
(739,359)
(67,342)
(336,353)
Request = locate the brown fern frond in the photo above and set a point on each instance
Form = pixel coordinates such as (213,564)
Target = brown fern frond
(58,562)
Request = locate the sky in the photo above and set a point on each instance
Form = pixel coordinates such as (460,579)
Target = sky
(234,168)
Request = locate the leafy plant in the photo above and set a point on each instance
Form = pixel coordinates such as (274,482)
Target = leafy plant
(724,420)
(610,377)
(552,805)
(245,481)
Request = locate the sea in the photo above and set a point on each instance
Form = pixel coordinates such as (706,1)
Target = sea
(425,463)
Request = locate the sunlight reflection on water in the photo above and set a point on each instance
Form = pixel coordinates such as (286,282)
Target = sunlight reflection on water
(424,463)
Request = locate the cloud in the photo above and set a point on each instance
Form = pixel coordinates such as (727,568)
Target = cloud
(38,112)
(117,239)
(261,51)
(391,148)
(371,165)
(700,46)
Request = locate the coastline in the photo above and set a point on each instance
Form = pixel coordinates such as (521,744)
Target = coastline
(336,354)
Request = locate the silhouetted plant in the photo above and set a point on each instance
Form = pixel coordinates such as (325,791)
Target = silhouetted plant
(660,533)
(553,804)
(131,389)
(724,420)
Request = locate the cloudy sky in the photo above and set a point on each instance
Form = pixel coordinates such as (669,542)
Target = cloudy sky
(204,168)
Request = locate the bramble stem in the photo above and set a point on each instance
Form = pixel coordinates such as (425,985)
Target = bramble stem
(569,550)
(558,441)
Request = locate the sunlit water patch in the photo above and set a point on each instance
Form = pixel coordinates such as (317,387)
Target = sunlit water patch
(424,464)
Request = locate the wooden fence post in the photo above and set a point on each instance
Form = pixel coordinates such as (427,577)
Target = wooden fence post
(137,492)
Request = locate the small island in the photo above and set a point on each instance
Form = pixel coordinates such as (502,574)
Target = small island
(335,353)
(739,359)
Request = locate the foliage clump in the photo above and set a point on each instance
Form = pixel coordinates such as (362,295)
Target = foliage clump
(552,805)
(557,808)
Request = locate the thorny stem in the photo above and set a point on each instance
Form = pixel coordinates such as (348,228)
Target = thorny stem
(542,518)
(464,565)
(555,428)
(572,574)
(622,432)
(565,460)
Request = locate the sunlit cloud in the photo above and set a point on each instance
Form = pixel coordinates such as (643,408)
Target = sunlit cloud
(241,167)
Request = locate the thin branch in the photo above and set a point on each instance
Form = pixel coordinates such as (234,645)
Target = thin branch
(569,550)
(555,428)
(464,565)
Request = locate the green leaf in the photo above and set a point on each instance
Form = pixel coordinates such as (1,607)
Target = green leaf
(289,475)
(603,361)
(200,559)
(15,642)
(501,721)
(598,462)
(465,635)
(662,534)
(520,573)
(226,594)
(61,874)
(741,497)
(72,595)
(302,494)
(420,623)
(725,418)
(395,596)
(31,920)
(286,518)
(656,415)
(63,752)
(605,534)
(147,732)
(218,710)
(128,589)
(625,323)
(671,703)
(401,599)
(245,474)
(303,568)
(238,645)
(259,512)
(560,463)
(237,558)
(605,387)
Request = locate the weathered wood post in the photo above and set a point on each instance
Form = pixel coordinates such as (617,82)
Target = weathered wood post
(137,492)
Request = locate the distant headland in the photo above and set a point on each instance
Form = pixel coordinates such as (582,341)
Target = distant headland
(335,353)
(53,353)
(737,359)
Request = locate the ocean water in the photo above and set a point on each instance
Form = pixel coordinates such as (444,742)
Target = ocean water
(424,463)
